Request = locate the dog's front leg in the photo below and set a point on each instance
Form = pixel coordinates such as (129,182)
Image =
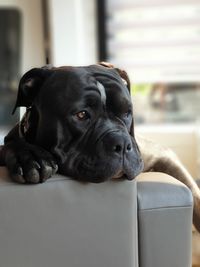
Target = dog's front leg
(27,163)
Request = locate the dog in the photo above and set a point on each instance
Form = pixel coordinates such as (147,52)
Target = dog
(79,122)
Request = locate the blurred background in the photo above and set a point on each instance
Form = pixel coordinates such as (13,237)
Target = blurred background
(156,41)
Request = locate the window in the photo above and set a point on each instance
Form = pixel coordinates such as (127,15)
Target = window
(158,43)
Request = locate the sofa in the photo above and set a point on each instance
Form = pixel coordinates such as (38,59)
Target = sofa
(146,222)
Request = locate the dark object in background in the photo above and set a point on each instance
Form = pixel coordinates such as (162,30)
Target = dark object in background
(10,49)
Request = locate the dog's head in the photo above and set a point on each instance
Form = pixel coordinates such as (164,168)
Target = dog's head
(84,117)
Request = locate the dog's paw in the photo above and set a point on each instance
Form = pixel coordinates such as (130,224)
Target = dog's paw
(29,164)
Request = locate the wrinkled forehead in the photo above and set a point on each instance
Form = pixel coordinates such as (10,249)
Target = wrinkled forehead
(84,82)
(94,73)
(79,83)
(110,79)
(93,76)
(117,93)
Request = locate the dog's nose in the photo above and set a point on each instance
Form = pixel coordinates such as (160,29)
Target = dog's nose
(119,147)
(117,143)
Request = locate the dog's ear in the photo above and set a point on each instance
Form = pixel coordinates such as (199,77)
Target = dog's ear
(121,72)
(30,85)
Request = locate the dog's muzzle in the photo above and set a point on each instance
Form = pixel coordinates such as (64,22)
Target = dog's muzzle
(112,155)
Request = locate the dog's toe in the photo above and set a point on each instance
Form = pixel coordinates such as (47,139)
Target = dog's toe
(17,175)
(32,176)
(46,171)
(14,167)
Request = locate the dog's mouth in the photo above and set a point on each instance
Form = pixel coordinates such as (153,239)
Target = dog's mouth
(97,171)
(119,175)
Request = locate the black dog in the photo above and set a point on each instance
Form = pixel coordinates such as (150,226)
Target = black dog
(79,121)
(83,117)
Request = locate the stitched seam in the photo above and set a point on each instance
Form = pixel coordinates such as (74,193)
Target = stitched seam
(166,208)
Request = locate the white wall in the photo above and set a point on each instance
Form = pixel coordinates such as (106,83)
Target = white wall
(182,139)
(73,32)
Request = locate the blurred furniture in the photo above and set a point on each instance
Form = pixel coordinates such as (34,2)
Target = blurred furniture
(22,46)
(146,222)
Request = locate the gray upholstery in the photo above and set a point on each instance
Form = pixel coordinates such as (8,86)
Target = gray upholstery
(165,219)
(67,223)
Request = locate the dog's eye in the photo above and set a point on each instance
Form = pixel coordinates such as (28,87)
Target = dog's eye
(82,115)
(127,114)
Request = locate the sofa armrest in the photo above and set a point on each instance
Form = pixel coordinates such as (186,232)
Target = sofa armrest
(66,223)
(165,209)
